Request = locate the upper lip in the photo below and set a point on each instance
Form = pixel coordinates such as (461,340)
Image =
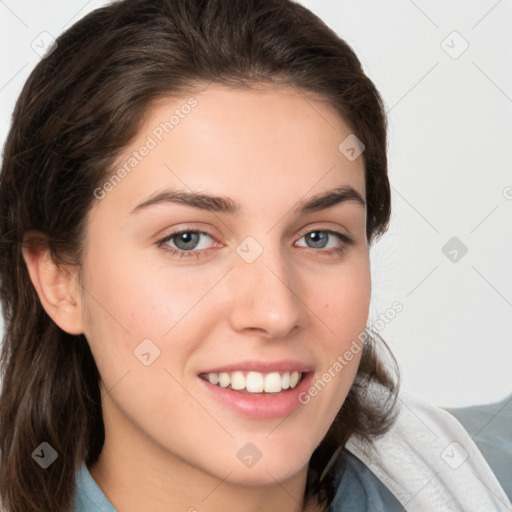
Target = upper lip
(262,367)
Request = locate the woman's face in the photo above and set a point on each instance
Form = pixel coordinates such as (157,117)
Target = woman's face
(259,286)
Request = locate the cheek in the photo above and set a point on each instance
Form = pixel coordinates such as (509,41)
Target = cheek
(346,301)
(134,299)
(150,310)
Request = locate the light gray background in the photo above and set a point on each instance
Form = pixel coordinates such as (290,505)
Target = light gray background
(450,153)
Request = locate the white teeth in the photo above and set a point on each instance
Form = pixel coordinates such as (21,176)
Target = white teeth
(213,378)
(224,380)
(237,380)
(272,382)
(255,382)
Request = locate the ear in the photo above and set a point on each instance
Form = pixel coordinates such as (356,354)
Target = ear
(57,285)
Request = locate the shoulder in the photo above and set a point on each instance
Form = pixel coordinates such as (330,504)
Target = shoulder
(359,490)
(429,461)
(490,427)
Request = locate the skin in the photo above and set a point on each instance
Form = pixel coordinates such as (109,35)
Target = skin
(168,445)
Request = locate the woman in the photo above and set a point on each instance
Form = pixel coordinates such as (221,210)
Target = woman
(188,197)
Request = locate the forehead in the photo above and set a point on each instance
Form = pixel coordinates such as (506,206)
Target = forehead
(272,143)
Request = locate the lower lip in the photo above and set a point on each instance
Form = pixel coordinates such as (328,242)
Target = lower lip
(259,405)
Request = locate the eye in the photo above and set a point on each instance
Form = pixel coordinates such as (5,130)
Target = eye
(321,238)
(187,243)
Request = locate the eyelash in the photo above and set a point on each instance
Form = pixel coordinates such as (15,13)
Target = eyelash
(346,240)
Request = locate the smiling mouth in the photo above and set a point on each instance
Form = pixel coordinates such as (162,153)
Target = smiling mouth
(255,382)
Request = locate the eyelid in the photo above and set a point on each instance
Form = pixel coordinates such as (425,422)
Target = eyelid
(189,228)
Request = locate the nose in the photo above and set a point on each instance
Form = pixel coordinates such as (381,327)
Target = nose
(266,296)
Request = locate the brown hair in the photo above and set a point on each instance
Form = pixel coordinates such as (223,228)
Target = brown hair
(81,106)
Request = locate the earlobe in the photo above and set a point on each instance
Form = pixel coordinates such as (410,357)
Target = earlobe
(56,285)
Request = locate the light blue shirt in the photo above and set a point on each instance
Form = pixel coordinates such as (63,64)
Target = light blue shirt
(358,489)
(88,496)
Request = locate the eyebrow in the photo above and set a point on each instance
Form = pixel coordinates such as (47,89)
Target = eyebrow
(227,205)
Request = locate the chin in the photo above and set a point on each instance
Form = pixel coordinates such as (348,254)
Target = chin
(262,474)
